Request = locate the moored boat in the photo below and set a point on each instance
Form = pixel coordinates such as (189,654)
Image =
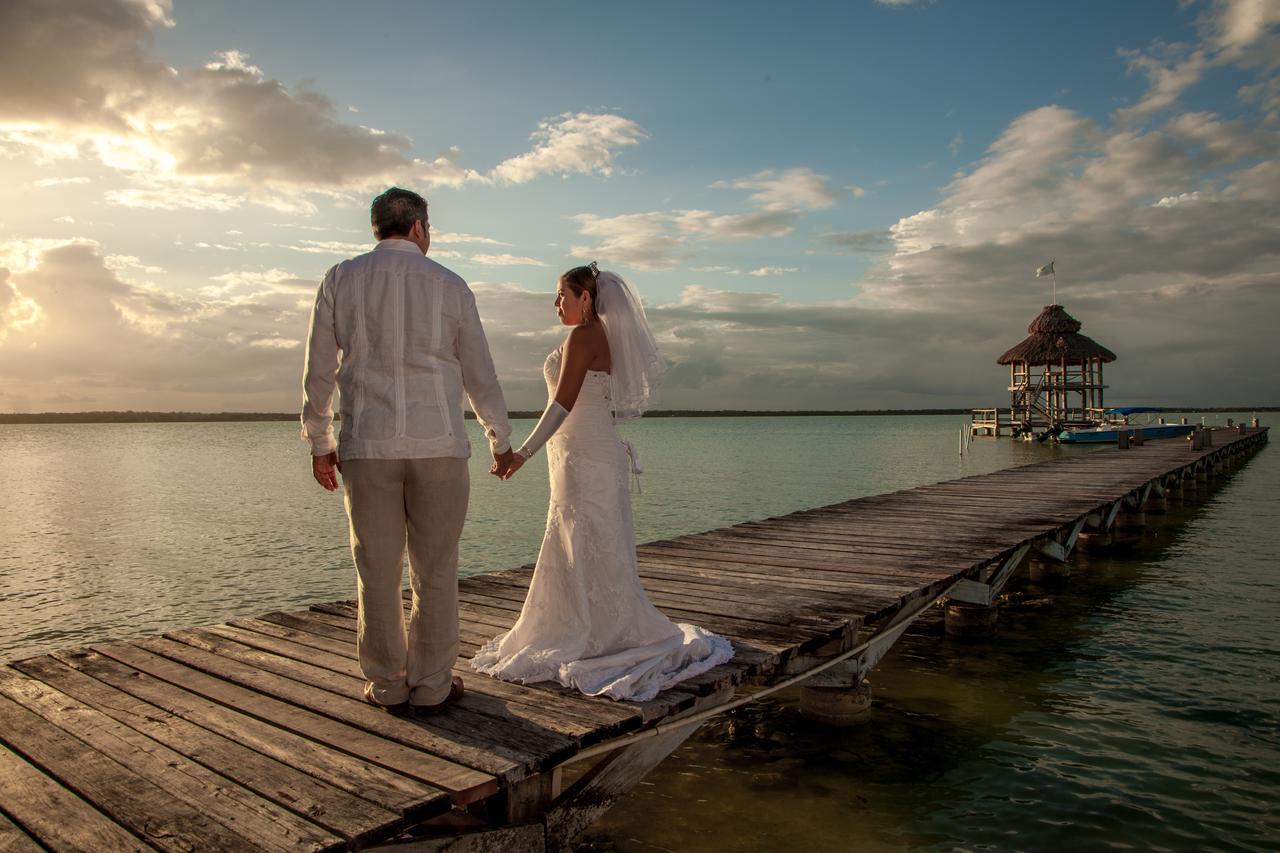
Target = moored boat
(1116,421)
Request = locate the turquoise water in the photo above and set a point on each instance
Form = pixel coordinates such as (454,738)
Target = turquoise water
(1135,707)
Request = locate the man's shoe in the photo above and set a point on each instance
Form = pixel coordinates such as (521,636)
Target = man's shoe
(399,709)
(455,693)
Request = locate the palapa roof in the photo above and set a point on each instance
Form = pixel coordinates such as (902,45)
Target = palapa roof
(1055,335)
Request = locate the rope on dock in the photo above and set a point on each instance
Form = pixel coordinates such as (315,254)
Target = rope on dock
(708,713)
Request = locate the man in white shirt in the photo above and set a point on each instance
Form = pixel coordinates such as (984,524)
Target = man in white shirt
(399,336)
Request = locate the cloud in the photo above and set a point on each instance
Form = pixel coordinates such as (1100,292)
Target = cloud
(130,264)
(242,283)
(79,81)
(761,351)
(1243,30)
(762,272)
(175,197)
(641,240)
(450,237)
(144,347)
(506,260)
(325,247)
(791,190)
(1232,32)
(78,323)
(1188,195)
(58,182)
(1167,243)
(735,226)
(571,143)
(83,72)
(17,312)
(869,241)
(663,239)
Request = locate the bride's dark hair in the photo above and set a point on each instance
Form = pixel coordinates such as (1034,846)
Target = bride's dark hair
(582,279)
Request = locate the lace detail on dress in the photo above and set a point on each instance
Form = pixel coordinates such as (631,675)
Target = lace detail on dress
(586,622)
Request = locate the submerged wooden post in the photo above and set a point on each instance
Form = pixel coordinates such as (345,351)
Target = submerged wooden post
(967,621)
(1048,572)
(841,696)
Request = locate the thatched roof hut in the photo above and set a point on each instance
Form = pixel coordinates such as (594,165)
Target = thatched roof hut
(1055,337)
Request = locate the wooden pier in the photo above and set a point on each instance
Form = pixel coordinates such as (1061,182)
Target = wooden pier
(253,734)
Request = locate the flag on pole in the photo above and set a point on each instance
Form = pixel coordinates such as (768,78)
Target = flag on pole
(1047,269)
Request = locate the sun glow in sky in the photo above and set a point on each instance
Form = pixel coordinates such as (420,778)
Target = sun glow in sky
(832,205)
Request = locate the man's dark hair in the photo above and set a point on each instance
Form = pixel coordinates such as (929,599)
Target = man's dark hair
(393,213)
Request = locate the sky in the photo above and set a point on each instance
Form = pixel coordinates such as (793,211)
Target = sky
(823,205)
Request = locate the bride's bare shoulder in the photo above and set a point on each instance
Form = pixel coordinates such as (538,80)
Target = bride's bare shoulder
(590,337)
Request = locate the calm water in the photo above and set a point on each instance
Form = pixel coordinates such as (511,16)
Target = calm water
(1135,707)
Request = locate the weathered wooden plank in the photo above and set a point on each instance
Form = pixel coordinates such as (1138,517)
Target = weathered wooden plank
(12,837)
(810,581)
(472,742)
(667,702)
(757,587)
(795,604)
(901,520)
(892,532)
(251,753)
(690,601)
(366,780)
(847,583)
(252,818)
(59,818)
(593,721)
(529,722)
(391,753)
(850,554)
(146,809)
(903,567)
(600,719)
(756,634)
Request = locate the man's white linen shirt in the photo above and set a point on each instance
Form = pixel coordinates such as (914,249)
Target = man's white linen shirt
(400,337)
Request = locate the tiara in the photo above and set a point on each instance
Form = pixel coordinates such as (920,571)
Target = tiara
(595,270)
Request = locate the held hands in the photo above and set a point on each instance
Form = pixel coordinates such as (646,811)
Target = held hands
(326,469)
(501,467)
(506,464)
(516,464)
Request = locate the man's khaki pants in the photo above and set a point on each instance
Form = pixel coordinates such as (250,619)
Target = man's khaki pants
(425,502)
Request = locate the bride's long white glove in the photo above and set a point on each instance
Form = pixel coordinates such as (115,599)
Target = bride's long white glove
(550,421)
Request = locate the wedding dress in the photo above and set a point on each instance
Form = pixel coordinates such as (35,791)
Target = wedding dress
(586,621)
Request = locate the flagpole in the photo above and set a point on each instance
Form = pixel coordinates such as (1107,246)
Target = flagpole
(1053,265)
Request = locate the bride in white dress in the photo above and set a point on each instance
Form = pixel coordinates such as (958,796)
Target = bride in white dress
(586,622)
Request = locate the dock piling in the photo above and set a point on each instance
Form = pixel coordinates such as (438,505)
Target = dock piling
(837,706)
(1050,572)
(966,621)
